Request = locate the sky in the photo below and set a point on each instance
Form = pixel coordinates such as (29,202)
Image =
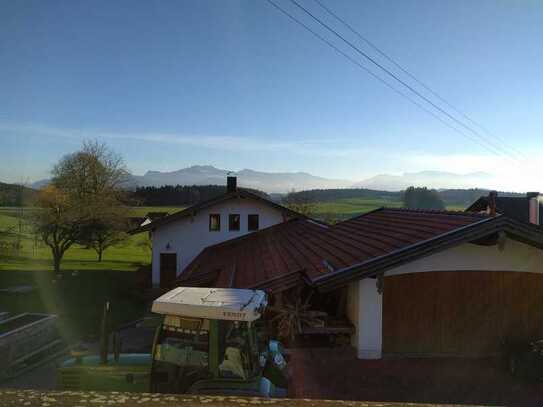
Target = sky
(237,84)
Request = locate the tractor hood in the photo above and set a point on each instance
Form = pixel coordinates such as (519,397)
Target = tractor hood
(212,303)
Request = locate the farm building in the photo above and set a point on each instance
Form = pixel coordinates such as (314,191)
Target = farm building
(178,238)
(528,208)
(411,282)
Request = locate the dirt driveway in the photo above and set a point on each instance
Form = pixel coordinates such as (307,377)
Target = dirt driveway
(335,373)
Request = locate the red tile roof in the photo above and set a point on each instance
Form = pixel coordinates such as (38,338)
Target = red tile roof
(281,256)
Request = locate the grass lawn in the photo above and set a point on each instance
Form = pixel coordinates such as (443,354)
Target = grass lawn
(36,256)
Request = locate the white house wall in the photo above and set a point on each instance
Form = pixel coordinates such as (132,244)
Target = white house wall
(187,237)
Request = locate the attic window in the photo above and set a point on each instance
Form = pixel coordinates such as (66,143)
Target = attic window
(252,222)
(233,222)
(214,222)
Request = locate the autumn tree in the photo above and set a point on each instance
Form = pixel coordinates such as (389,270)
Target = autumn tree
(83,201)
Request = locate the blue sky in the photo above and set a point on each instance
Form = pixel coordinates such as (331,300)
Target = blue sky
(236,84)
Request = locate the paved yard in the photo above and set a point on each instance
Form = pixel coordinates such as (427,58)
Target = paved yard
(336,373)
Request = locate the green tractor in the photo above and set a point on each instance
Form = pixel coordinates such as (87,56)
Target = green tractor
(207,342)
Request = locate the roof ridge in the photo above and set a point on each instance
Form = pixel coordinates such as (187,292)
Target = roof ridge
(361,215)
(439,211)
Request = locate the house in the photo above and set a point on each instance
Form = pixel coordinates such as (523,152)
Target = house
(413,282)
(528,208)
(178,238)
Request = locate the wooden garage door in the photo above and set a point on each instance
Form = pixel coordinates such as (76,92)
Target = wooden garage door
(461,312)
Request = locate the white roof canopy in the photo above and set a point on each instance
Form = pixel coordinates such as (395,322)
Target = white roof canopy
(212,303)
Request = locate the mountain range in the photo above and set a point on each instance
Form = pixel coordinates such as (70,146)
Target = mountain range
(430,179)
(282,182)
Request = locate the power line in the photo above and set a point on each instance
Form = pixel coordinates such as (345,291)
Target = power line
(389,85)
(395,77)
(420,82)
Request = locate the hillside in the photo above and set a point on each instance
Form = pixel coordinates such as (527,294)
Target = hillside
(453,198)
(16,195)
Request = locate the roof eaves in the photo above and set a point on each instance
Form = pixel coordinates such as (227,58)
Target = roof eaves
(374,265)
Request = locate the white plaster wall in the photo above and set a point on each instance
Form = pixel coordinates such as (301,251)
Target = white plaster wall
(370,320)
(516,256)
(189,236)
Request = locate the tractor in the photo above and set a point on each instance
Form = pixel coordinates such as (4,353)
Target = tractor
(207,342)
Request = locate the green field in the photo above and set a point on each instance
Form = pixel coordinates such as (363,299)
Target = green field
(35,256)
(347,208)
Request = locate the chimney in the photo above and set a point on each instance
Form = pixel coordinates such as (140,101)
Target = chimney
(492,195)
(231,184)
(534,201)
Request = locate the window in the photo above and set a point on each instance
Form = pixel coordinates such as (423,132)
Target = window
(214,222)
(233,221)
(252,222)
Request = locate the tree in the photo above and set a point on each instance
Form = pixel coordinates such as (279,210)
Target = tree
(83,201)
(300,202)
(94,172)
(422,198)
(57,222)
(103,232)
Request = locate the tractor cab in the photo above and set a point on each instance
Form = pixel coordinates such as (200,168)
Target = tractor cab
(207,343)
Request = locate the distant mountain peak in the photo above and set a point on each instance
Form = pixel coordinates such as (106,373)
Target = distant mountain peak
(271,182)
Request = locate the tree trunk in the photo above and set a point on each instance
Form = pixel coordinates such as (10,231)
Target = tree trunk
(57,257)
(100,254)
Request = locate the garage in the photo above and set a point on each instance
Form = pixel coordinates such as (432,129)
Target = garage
(460,313)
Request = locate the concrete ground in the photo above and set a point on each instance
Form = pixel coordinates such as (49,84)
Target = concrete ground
(31,398)
(336,373)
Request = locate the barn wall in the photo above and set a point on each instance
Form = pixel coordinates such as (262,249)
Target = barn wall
(516,256)
(463,299)
(189,236)
(460,313)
